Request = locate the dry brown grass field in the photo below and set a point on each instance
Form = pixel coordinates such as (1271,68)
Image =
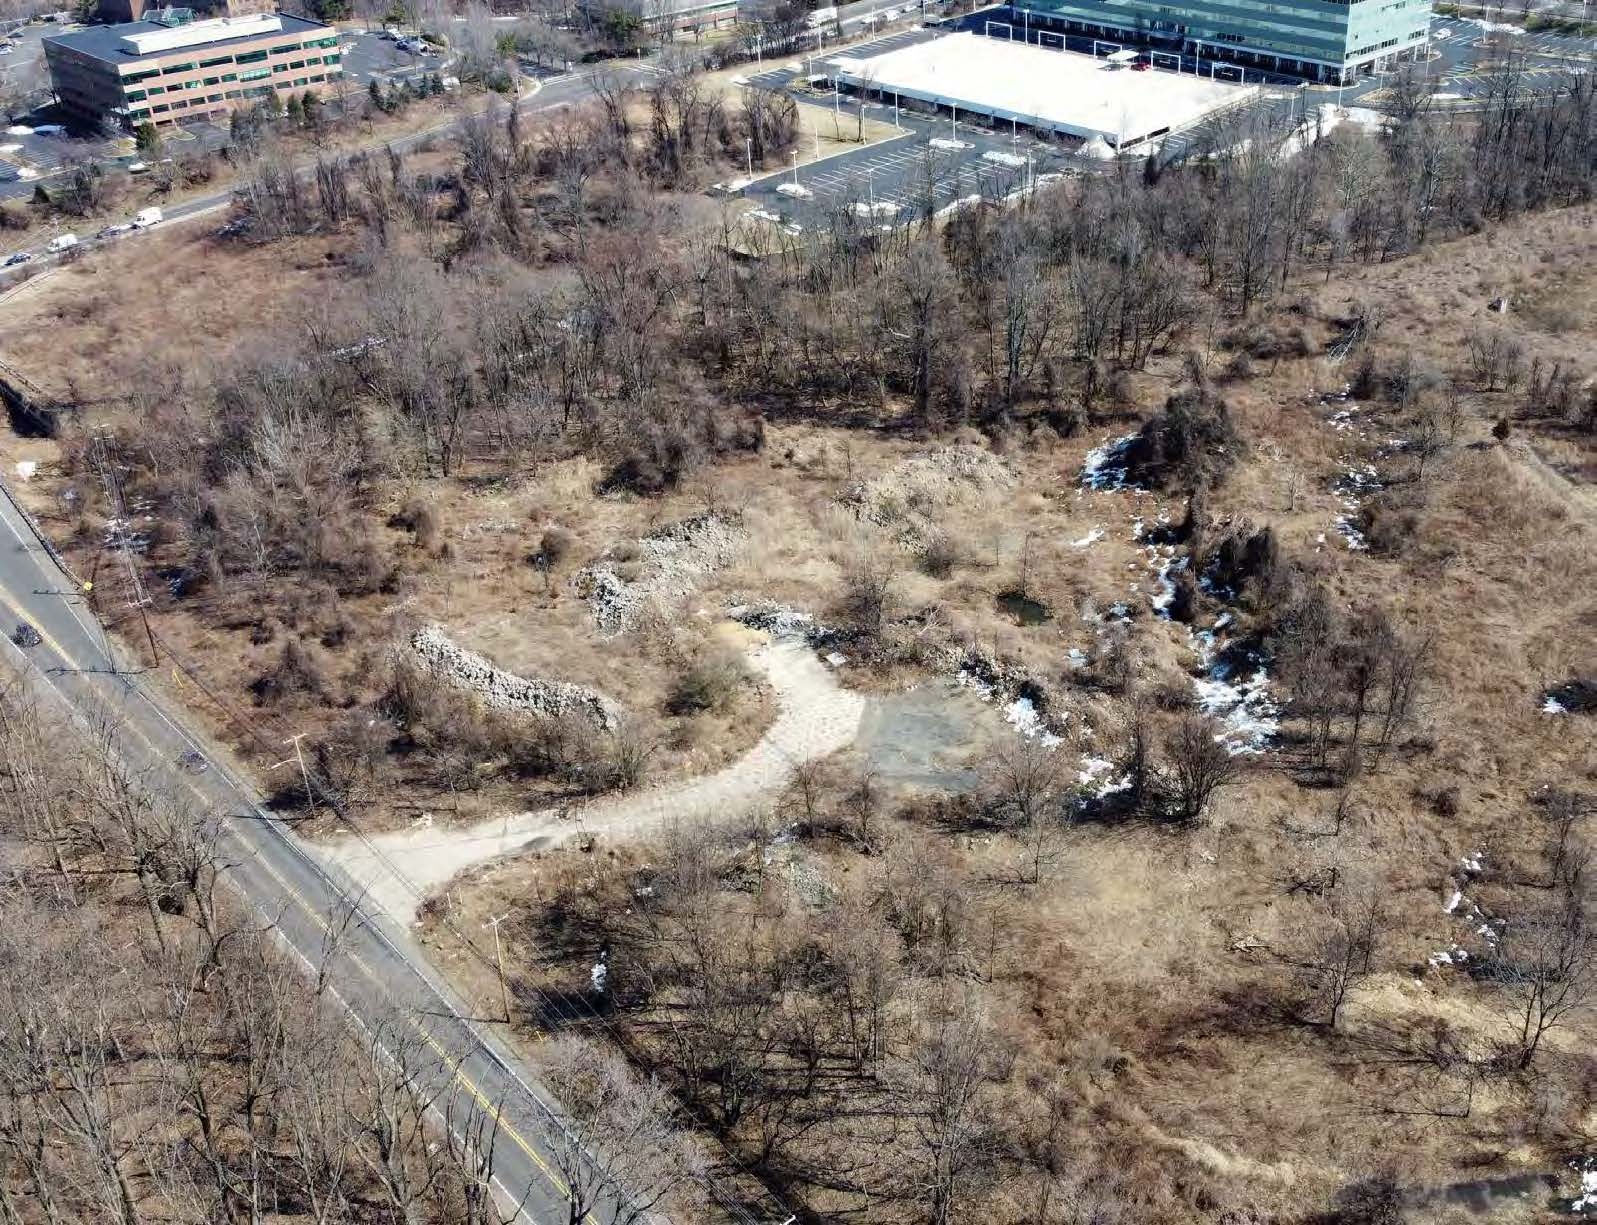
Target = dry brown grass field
(1148,981)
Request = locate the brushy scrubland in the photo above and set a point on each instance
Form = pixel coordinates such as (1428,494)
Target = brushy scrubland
(1267,535)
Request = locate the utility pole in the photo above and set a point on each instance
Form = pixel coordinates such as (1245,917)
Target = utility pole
(499,964)
(138,598)
(304,774)
(748,152)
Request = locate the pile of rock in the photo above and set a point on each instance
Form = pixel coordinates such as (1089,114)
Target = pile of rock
(445,659)
(669,565)
(912,494)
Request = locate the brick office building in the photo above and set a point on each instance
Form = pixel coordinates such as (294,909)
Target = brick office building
(169,69)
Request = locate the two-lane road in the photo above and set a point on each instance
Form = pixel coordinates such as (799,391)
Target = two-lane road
(381,980)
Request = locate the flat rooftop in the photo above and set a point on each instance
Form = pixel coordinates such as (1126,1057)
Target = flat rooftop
(1043,87)
(119,44)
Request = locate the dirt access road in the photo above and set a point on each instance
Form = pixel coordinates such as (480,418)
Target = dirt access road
(816,717)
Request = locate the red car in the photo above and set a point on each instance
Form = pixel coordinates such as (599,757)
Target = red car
(1141,66)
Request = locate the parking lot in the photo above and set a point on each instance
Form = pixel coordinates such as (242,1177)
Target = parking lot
(369,56)
(1460,35)
(934,163)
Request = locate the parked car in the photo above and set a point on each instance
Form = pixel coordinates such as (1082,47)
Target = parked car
(111,231)
(17,257)
(147,217)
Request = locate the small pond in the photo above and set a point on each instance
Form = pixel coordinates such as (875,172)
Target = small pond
(1024,609)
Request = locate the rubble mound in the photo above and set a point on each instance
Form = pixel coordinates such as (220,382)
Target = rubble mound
(448,661)
(910,492)
(667,565)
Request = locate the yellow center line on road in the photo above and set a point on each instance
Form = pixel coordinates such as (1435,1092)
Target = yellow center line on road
(316,917)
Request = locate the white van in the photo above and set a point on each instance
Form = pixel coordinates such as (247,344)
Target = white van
(821,17)
(146,218)
(63,242)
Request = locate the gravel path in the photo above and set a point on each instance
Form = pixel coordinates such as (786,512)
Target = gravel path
(816,717)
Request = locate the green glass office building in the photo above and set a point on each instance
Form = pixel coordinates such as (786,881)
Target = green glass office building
(1324,40)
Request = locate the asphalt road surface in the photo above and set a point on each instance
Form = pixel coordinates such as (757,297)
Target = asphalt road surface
(379,977)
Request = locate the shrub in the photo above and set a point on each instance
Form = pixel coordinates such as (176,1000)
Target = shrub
(421,518)
(554,547)
(299,669)
(1391,519)
(710,683)
(626,758)
(939,555)
(1192,442)
(867,601)
(1243,563)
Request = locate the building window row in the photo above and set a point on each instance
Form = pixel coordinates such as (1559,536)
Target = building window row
(231,95)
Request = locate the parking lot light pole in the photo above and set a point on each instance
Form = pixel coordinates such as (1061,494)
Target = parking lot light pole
(748,153)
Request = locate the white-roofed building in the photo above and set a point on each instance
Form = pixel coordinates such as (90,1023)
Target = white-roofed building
(1042,88)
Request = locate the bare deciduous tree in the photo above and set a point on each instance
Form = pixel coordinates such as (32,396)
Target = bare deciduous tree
(1198,764)
(618,1146)
(1547,963)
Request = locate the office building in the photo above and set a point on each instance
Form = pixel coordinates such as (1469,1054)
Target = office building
(172,68)
(1324,40)
(664,18)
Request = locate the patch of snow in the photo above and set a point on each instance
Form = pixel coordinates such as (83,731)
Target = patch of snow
(1587,1168)
(1169,564)
(1077,657)
(1022,715)
(1091,537)
(1452,902)
(967,679)
(1552,706)
(27,467)
(1104,468)
(837,659)
(1248,716)
(1352,487)
(1473,862)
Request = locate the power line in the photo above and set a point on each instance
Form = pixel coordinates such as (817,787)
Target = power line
(567,1011)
